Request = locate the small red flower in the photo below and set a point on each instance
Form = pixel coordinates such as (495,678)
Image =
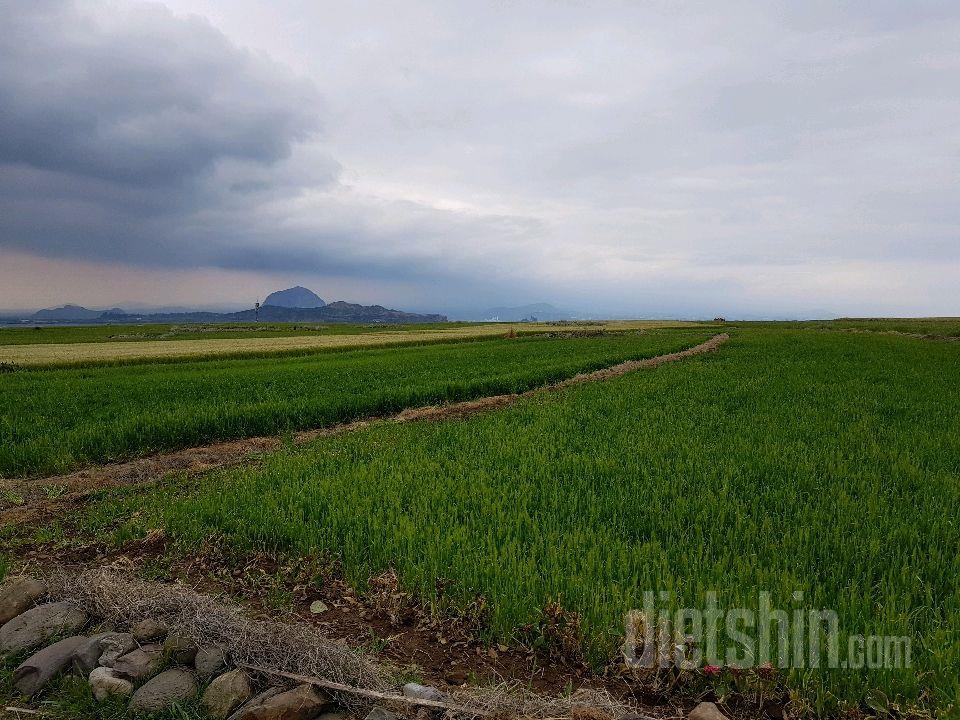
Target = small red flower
(711,669)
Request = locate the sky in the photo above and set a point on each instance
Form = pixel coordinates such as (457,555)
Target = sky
(746,159)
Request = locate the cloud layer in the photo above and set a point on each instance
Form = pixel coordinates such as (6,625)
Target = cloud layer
(621,158)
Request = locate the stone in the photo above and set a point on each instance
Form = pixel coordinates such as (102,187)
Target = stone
(17,595)
(39,669)
(301,703)
(333,716)
(36,626)
(180,648)
(423,692)
(209,661)
(114,646)
(87,656)
(140,663)
(149,629)
(706,711)
(318,606)
(378,713)
(225,694)
(105,682)
(165,690)
(258,699)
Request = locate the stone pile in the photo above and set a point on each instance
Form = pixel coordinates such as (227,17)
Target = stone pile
(152,666)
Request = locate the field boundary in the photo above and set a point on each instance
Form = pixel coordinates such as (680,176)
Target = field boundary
(73,488)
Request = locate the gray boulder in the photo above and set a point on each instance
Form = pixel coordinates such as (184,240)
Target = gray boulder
(140,663)
(706,711)
(180,648)
(36,626)
(256,700)
(87,656)
(226,693)
(39,669)
(423,692)
(114,646)
(209,661)
(17,595)
(302,703)
(165,690)
(105,682)
(149,629)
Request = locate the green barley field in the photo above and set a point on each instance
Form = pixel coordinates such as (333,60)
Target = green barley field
(53,420)
(792,460)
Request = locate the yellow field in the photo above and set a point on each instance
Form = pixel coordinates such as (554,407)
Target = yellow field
(66,353)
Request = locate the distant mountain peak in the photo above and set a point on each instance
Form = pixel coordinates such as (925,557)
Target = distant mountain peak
(537,311)
(295,297)
(66,312)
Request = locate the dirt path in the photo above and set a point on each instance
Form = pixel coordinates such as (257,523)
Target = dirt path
(54,495)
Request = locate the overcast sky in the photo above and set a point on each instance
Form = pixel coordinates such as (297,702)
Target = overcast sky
(627,158)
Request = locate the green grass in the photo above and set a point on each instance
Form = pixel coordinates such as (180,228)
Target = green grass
(827,463)
(52,420)
(945,327)
(43,334)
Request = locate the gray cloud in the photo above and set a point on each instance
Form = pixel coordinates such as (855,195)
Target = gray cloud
(620,157)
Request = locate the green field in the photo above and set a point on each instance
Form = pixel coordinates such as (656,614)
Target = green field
(52,420)
(821,462)
(944,327)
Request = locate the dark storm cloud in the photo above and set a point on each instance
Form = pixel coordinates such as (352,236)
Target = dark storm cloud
(144,99)
(603,155)
(129,134)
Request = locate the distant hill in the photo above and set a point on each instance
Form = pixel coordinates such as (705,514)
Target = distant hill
(336,312)
(271,311)
(67,312)
(538,311)
(295,297)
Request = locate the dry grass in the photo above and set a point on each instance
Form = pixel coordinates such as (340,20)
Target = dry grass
(111,595)
(67,353)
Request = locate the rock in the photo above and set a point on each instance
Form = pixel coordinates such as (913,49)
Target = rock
(148,629)
(87,656)
(333,716)
(706,711)
(423,692)
(163,691)
(318,606)
(105,682)
(18,595)
(256,700)
(209,661)
(114,646)
(39,669)
(180,648)
(301,703)
(36,626)
(379,713)
(140,663)
(226,693)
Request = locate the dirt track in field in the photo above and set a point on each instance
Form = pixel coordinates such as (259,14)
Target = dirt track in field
(52,496)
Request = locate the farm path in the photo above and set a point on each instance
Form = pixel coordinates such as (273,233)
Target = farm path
(55,495)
